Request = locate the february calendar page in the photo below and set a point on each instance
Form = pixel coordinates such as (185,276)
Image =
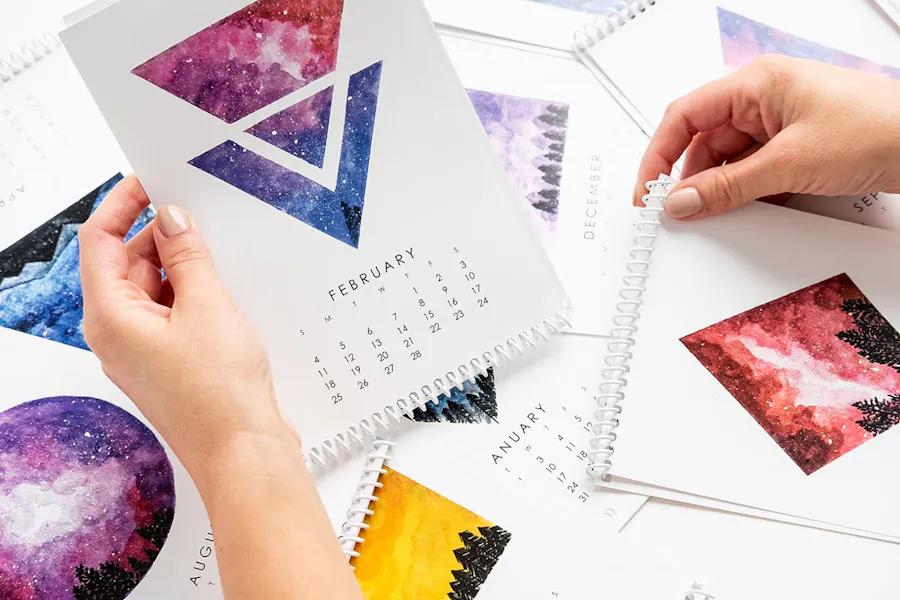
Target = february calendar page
(336,166)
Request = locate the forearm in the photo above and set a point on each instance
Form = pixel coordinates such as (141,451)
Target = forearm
(273,538)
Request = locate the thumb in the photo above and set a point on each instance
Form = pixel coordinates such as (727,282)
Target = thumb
(721,189)
(182,251)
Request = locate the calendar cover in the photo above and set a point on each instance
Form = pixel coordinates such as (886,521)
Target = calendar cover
(352,202)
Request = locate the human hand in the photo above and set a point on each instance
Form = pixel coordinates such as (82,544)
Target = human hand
(179,347)
(780,125)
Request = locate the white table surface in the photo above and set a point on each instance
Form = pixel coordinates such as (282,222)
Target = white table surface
(796,562)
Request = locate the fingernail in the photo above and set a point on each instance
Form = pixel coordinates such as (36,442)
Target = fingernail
(684,203)
(173,221)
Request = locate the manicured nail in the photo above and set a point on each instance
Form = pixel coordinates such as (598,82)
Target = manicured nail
(173,221)
(684,203)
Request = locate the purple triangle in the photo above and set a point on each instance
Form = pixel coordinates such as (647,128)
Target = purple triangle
(301,129)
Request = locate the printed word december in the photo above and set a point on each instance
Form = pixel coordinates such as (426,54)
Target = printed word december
(372,274)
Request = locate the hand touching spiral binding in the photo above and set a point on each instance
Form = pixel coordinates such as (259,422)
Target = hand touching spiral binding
(780,125)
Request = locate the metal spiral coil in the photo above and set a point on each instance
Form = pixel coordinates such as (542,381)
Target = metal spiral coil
(390,418)
(608,22)
(364,497)
(16,61)
(618,350)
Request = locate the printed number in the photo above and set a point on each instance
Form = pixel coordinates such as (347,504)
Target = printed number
(421,302)
(562,477)
(428,315)
(355,370)
(376,343)
(458,315)
(463,264)
(452,302)
(395,316)
(350,358)
(551,467)
(415,354)
(540,459)
(369,331)
(316,361)
(363,384)
(476,289)
(337,398)
(470,276)
(482,302)
(439,278)
(572,487)
(330,385)
(408,343)
(389,369)
(402,330)
(323,372)
(582,455)
(455,250)
(583,497)
(435,327)
(343,346)
(382,356)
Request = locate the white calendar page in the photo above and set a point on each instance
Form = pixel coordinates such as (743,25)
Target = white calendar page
(399,259)
(54,145)
(83,469)
(528,100)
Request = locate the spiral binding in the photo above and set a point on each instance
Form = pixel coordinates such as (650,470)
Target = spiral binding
(615,372)
(390,418)
(610,21)
(16,61)
(372,471)
(697,593)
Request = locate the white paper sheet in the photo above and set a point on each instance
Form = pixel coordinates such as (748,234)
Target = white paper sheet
(471,277)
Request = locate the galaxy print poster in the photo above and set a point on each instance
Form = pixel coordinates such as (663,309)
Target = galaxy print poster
(818,369)
(87,500)
(40,283)
(744,39)
(420,544)
(529,136)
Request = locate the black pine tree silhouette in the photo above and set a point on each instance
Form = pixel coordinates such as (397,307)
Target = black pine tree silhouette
(880,415)
(481,398)
(353,218)
(874,338)
(478,556)
(110,581)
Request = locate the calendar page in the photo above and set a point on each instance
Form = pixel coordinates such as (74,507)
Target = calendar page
(350,197)
(54,145)
(571,154)
(93,502)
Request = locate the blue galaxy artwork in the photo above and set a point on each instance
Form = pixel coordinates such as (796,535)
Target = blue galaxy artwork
(40,285)
(475,403)
(301,129)
(336,213)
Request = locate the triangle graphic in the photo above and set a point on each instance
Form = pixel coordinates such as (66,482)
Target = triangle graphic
(744,39)
(301,129)
(336,213)
(251,58)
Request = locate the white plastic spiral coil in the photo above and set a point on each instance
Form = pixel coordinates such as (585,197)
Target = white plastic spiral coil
(610,21)
(618,350)
(697,593)
(389,419)
(364,497)
(14,62)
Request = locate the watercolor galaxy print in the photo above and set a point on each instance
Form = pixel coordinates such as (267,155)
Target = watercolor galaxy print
(40,283)
(818,369)
(87,500)
(422,545)
(301,130)
(588,6)
(475,403)
(251,58)
(529,136)
(337,213)
(744,39)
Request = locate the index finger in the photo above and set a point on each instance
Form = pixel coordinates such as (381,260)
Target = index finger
(705,109)
(103,256)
